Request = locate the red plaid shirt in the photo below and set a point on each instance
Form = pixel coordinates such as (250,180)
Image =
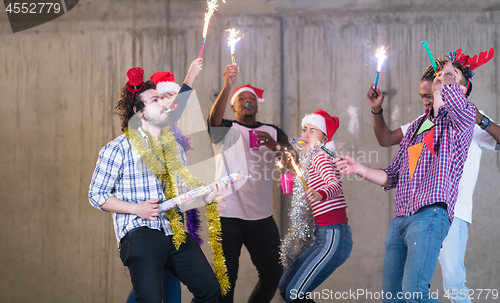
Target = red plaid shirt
(435,178)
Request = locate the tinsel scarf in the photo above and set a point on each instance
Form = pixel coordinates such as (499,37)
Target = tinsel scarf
(163,159)
(192,216)
(300,235)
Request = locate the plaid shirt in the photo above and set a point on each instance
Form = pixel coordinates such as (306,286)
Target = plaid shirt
(121,173)
(435,179)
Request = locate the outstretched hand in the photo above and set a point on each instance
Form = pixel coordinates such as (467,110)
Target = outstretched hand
(345,164)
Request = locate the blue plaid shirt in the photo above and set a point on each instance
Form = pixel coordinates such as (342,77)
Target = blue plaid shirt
(435,179)
(121,173)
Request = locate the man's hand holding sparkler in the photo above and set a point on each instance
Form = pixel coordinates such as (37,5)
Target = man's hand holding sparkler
(375,98)
(230,75)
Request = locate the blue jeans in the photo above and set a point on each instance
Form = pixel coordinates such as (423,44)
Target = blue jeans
(452,258)
(411,253)
(171,289)
(331,249)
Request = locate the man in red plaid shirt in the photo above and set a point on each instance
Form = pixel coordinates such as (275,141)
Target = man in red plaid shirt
(426,173)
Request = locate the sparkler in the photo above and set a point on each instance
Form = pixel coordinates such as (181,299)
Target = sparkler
(299,173)
(232,40)
(212,6)
(380,55)
(429,54)
(280,165)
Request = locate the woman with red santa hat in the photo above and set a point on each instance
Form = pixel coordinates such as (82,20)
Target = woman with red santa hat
(319,239)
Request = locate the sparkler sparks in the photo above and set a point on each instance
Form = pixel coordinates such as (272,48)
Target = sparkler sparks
(298,171)
(211,7)
(232,40)
(380,55)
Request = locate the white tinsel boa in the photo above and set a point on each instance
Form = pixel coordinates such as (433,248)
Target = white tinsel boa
(300,234)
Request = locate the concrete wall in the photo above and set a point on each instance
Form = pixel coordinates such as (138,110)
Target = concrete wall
(60,82)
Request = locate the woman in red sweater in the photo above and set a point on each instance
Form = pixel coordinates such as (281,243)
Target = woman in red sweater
(319,239)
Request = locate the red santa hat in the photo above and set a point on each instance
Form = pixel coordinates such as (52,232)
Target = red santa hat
(135,80)
(322,120)
(248,88)
(165,82)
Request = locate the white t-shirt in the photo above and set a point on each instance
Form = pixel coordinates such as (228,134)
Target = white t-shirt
(481,139)
(249,199)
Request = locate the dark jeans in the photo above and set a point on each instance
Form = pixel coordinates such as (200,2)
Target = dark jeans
(146,252)
(171,289)
(262,240)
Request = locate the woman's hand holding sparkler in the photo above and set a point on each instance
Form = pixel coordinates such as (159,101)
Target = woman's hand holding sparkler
(313,196)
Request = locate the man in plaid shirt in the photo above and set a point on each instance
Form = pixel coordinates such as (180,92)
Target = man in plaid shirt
(124,185)
(426,173)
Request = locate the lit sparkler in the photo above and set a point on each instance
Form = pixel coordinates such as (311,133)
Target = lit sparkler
(232,40)
(278,162)
(380,55)
(212,6)
(299,173)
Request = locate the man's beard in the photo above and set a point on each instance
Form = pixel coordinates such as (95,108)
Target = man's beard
(159,121)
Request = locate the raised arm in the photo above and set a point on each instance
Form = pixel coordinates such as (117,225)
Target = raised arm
(385,136)
(462,112)
(219,107)
(349,166)
(185,92)
(194,70)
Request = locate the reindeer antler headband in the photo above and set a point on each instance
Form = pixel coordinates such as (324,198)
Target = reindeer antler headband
(469,63)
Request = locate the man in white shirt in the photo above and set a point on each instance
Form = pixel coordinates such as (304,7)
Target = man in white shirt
(246,213)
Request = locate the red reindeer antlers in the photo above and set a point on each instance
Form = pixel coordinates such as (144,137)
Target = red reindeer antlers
(459,57)
(484,57)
